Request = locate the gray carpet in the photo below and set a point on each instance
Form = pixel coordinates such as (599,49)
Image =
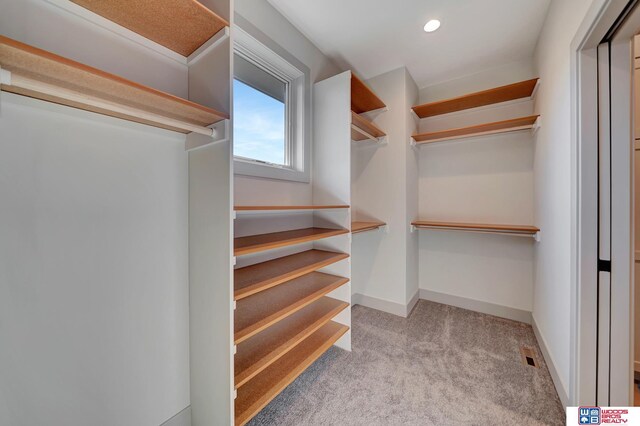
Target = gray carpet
(441,366)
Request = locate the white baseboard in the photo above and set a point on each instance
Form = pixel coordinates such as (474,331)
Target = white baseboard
(562,392)
(384,305)
(183,418)
(477,306)
(413,302)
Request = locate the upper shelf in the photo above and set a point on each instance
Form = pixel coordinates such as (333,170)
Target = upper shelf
(514,125)
(179,25)
(284,208)
(522,89)
(43,75)
(362,98)
(363,129)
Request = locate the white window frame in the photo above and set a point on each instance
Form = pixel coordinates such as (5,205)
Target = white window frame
(296,108)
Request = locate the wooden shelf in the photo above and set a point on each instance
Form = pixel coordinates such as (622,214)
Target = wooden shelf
(42,75)
(179,25)
(365,226)
(262,242)
(301,207)
(258,392)
(478,227)
(522,89)
(362,98)
(514,125)
(262,276)
(265,348)
(256,313)
(362,129)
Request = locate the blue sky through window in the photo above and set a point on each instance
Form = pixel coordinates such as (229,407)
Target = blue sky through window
(258,125)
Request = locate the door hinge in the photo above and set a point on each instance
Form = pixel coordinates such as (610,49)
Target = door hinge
(604,265)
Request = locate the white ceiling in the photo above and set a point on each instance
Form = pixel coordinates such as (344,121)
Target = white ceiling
(376,36)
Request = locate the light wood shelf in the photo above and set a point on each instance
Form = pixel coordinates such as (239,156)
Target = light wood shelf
(258,392)
(265,348)
(513,125)
(300,207)
(179,25)
(363,129)
(255,313)
(43,75)
(262,276)
(365,226)
(262,242)
(362,97)
(522,89)
(478,227)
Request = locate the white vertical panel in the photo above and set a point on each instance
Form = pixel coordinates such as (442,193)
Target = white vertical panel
(331,180)
(621,378)
(604,153)
(211,312)
(604,341)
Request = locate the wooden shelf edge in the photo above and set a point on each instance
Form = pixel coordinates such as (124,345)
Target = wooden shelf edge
(283,239)
(265,322)
(478,227)
(282,373)
(519,90)
(363,129)
(363,99)
(34,71)
(357,227)
(331,309)
(285,208)
(290,274)
(497,127)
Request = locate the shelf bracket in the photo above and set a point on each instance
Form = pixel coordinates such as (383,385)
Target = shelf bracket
(412,142)
(5,78)
(536,125)
(536,237)
(219,133)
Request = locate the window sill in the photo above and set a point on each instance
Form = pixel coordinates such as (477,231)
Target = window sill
(267,171)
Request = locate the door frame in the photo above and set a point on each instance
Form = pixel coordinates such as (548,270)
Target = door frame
(600,18)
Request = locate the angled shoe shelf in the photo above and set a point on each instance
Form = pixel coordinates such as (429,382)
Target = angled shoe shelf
(522,89)
(260,311)
(260,390)
(262,276)
(36,73)
(263,349)
(262,242)
(180,25)
(285,208)
(506,126)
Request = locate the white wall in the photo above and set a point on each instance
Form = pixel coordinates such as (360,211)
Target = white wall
(94,308)
(94,278)
(272,28)
(384,188)
(552,182)
(483,180)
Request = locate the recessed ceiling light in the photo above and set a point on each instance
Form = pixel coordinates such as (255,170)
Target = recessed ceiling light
(432,25)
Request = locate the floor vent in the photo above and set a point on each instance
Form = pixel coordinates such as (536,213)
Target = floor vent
(528,356)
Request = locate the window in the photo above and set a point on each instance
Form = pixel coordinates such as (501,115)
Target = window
(270,112)
(260,116)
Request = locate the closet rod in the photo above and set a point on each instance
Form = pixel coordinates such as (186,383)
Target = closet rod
(535,235)
(25,86)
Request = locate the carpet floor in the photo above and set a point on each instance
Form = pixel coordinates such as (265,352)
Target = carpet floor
(441,366)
